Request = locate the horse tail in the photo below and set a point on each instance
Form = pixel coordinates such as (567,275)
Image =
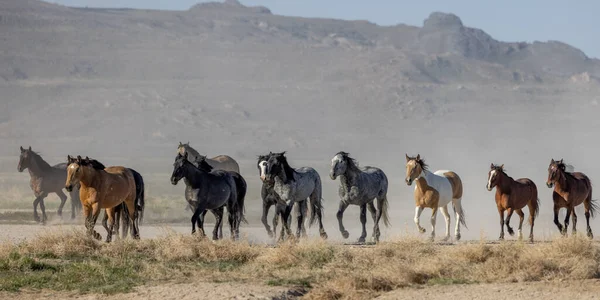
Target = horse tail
(241,188)
(384,212)
(460,211)
(139,195)
(593,207)
(316,200)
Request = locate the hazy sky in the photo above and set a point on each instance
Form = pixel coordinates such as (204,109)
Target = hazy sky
(574,22)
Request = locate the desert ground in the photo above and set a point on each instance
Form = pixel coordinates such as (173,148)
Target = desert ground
(125,86)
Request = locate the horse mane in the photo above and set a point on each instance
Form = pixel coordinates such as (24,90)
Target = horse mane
(263,157)
(499,168)
(352,163)
(289,171)
(190,150)
(94,163)
(39,160)
(421,162)
(202,164)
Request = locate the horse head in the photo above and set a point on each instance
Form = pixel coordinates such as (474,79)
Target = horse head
(555,170)
(415,167)
(494,175)
(24,159)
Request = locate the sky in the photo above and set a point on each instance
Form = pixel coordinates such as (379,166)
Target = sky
(574,22)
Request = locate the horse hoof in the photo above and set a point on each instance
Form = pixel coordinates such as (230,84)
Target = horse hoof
(501,238)
(422,230)
(446,238)
(361,240)
(324,235)
(345,234)
(590,234)
(511,232)
(97,236)
(457,237)
(270,234)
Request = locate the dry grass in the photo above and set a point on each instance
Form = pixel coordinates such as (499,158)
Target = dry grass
(70,261)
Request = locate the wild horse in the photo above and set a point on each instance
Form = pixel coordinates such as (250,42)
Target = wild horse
(512,196)
(102,188)
(570,190)
(295,185)
(47,179)
(360,186)
(435,190)
(212,190)
(270,198)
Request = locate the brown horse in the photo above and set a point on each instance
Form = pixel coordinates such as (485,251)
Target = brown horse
(570,190)
(102,188)
(46,179)
(511,196)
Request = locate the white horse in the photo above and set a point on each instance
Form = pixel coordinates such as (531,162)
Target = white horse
(435,190)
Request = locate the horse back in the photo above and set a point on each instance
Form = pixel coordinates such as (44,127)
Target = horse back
(526,185)
(122,178)
(456,183)
(224,162)
(374,177)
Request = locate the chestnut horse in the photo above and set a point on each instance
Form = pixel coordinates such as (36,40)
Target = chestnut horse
(512,196)
(570,190)
(435,190)
(102,188)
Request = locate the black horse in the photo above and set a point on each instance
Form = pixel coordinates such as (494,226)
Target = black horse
(212,190)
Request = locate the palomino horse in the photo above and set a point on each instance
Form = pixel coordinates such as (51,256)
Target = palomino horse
(295,185)
(511,196)
(270,198)
(212,190)
(47,179)
(102,188)
(570,190)
(360,187)
(435,190)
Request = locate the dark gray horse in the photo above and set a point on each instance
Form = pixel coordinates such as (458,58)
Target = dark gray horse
(47,179)
(212,190)
(294,185)
(360,187)
(270,198)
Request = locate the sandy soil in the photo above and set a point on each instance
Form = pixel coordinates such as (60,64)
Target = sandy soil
(582,290)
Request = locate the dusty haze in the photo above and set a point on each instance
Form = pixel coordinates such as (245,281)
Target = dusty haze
(125,86)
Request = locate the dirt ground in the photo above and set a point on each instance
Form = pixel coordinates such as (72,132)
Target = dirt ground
(581,290)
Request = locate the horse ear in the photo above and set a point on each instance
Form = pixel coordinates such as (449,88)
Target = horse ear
(502,167)
(407,158)
(21,148)
(492,166)
(418,156)
(552,161)
(29,148)
(180,144)
(68,158)
(561,160)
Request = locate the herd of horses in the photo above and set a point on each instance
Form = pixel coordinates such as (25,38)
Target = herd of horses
(213,184)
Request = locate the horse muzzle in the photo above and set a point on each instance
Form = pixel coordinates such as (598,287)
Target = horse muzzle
(174,181)
(549,184)
(20,169)
(332,176)
(488,188)
(408,182)
(69,188)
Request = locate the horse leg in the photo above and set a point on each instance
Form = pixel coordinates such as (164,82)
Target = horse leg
(265,213)
(509,213)
(567,217)
(105,222)
(63,200)
(373,211)
(219,222)
(501,212)
(110,213)
(91,221)
(381,205)
(460,216)
(531,219)
(587,205)
(418,211)
(433,218)
(43,209)
(446,214)
(556,222)
(521,218)
(74,206)
(340,216)
(304,211)
(299,217)
(285,218)
(574,216)
(363,221)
